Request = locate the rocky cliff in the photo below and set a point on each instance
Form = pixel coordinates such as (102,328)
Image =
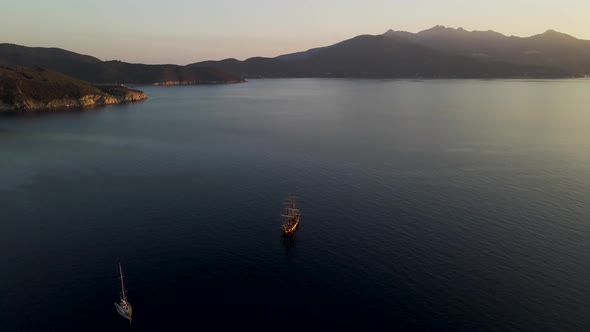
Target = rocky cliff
(23,89)
(123,93)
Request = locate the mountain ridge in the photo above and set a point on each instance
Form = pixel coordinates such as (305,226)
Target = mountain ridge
(438,52)
(93,70)
(548,49)
(380,56)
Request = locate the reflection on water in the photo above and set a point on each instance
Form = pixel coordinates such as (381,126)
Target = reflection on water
(288,242)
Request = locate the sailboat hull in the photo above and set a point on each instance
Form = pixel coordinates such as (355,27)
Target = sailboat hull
(124,311)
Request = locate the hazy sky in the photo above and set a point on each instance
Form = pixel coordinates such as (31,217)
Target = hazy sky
(183,31)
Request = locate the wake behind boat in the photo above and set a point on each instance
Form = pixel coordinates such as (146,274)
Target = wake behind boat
(123,307)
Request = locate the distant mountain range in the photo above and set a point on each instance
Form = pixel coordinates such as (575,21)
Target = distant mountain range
(549,49)
(93,70)
(382,56)
(438,52)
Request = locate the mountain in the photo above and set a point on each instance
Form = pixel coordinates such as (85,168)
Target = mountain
(24,89)
(379,56)
(549,49)
(252,67)
(299,55)
(439,52)
(93,70)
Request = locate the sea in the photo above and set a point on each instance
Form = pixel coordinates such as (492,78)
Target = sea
(426,205)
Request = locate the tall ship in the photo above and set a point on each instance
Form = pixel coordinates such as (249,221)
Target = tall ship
(123,306)
(291,217)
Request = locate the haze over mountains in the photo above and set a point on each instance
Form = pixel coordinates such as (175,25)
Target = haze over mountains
(438,52)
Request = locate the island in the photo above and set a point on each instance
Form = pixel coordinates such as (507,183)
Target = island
(36,89)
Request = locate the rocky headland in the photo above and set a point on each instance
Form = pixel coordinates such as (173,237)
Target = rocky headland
(25,89)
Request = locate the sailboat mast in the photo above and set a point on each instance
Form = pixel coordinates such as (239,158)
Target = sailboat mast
(123,295)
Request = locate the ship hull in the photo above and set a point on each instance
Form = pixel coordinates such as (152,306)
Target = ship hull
(125,312)
(287,232)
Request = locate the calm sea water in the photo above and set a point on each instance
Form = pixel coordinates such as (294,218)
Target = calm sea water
(436,205)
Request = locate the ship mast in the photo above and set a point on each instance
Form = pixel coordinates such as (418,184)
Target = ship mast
(123,293)
(290,211)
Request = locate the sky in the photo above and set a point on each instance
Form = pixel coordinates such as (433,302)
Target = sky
(182,31)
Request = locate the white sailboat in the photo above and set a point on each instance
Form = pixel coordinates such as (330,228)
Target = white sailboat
(123,307)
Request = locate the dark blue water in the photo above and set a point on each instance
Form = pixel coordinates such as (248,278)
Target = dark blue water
(435,205)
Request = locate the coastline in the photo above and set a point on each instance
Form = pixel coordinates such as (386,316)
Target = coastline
(30,90)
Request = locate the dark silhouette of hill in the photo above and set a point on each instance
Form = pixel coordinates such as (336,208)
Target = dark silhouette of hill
(299,55)
(93,70)
(252,67)
(117,71)
(379,57)
(434,53)
(549,49)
